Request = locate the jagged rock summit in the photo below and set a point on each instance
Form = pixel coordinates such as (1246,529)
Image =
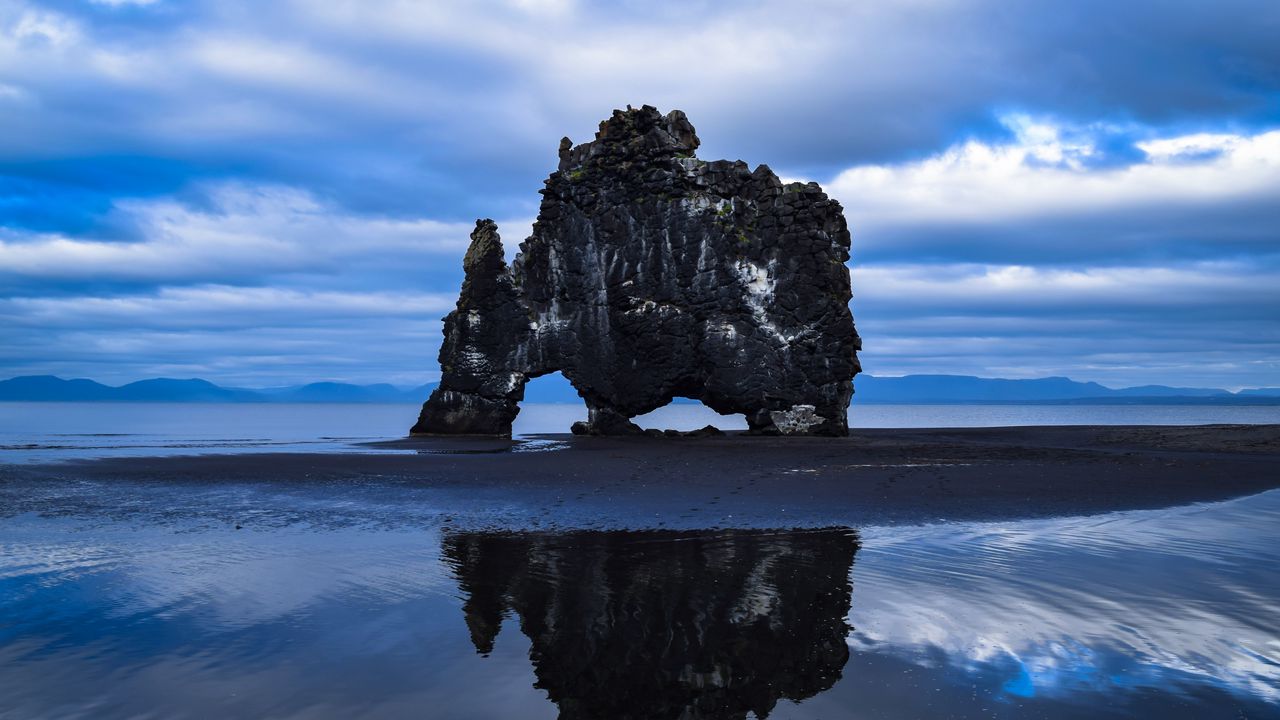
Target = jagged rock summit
(652,274)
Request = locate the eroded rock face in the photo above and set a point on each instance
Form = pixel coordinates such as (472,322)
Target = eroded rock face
(651,274)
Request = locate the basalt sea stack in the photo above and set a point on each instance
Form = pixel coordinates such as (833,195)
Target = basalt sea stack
(651,274)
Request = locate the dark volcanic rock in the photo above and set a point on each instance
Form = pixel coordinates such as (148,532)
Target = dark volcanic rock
(651,274)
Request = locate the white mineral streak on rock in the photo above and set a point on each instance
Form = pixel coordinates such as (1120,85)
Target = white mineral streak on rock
(689,164)
(514,380)
(640,307)
(706,255)
(555,275)
(757,282)
(473,358)
(760,282)
(797,420)
(698,204)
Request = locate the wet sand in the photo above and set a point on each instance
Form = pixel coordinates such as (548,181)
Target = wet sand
(872,477)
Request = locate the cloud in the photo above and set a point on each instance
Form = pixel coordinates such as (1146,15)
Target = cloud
(121,3)
(392,106)
(33,29)
(1044,176)
(1040,256)
(240,335)
(1199,289)
(1046,197)
(220,307)
(232,232)
(1081,188)
(247,284)
(1204,324)
(1042,173)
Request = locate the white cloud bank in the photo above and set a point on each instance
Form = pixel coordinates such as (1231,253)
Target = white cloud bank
(1044,172)
(237,232)
(1017,289)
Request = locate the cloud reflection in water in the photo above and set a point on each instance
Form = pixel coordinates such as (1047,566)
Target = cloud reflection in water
(1167,612)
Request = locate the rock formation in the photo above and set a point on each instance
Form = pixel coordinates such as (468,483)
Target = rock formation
(656,624)
(651,274)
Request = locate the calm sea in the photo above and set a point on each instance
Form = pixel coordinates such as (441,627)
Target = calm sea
(43,431)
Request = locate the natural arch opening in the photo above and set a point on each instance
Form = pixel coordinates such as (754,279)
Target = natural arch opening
(550,405)
(687,414)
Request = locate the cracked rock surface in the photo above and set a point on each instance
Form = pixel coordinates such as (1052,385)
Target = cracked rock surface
(652,274)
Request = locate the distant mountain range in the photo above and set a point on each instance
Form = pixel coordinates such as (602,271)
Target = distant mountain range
(47,388)
(946,389)
(910,389)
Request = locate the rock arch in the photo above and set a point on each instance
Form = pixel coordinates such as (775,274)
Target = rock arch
(651,274)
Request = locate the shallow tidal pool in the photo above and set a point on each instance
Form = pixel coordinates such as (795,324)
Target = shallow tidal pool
(1154,613)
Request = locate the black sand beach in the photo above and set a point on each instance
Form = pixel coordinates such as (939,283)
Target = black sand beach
(872,477)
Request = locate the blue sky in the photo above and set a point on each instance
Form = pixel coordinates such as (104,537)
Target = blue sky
(271,193)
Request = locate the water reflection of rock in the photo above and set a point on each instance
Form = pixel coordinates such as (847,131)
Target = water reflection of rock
(664,624)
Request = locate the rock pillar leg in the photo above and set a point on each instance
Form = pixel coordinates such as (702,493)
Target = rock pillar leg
(450,412)
(604,420)
(482,377)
